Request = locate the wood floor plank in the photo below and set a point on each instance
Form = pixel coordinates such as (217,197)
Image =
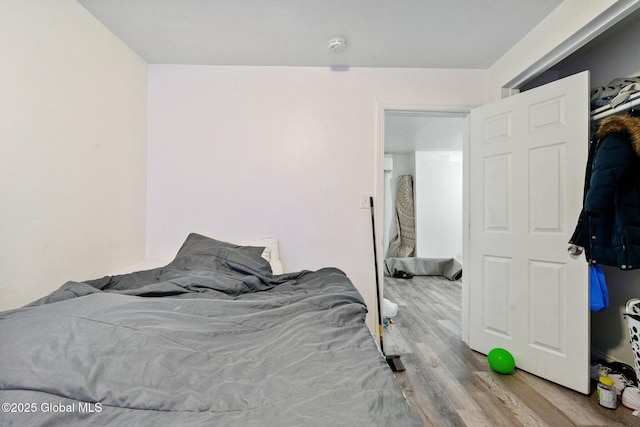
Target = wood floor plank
(434,406)
(512,403)
(534,399)
(448,384)
(476,418)
(456,391)
(396,341)
(492,406)
(582,411)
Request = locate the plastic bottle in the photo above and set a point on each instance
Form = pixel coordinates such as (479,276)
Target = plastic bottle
(607,393)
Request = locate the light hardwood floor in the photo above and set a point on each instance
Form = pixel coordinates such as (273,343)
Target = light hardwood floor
(448,384)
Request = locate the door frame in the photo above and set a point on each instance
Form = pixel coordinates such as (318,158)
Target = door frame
(442,111)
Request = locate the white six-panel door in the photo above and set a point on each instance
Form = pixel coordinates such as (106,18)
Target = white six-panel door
(528,156)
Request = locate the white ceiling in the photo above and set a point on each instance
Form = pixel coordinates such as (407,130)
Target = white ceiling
(380,33)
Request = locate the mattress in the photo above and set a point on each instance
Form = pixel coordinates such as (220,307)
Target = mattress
(213,338)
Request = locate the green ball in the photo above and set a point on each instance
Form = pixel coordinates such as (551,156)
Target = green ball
(501,360)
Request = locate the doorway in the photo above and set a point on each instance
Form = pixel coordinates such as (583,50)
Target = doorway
(428,146)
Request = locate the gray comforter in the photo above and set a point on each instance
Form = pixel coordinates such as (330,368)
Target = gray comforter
(211,339)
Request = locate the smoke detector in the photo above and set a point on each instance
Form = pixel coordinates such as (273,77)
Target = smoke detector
(337,44)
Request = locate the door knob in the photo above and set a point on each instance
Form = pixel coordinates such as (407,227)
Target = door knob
(575,250)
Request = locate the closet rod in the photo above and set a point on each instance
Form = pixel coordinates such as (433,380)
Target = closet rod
(635,100)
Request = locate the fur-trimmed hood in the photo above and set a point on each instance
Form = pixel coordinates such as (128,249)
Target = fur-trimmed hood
(625,124)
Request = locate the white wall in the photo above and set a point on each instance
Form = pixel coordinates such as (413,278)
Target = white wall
(438,204)
(245,152)
(72,156)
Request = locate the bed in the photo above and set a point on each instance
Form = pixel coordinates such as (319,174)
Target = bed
(213,338)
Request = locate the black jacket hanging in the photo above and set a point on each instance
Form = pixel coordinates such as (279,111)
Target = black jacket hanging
(609,224)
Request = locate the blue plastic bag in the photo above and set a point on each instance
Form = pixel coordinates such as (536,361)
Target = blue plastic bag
(598,293)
